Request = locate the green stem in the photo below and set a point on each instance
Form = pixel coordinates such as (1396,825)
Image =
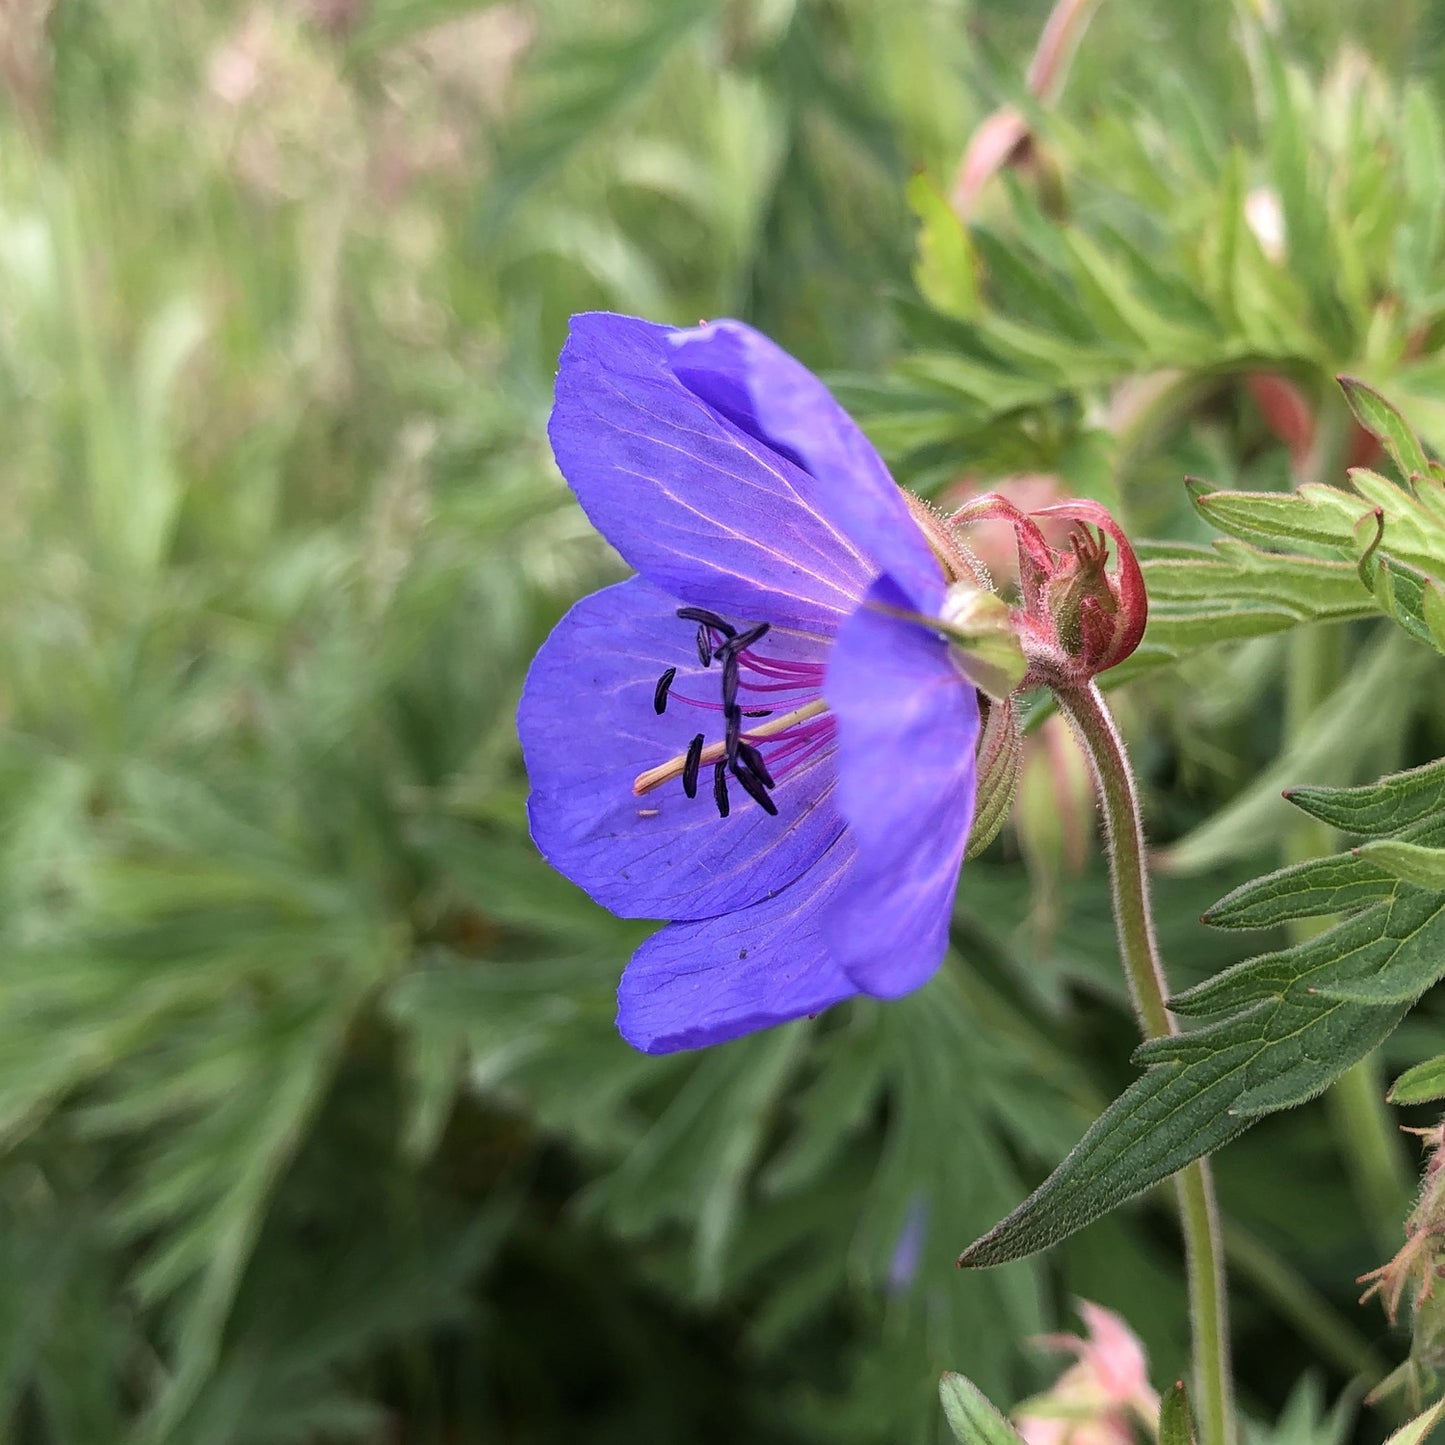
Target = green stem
(1198,1213)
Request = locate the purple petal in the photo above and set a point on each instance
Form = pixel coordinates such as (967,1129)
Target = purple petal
(718,978)
(907,728)
(588,728)
(704,511)
(773,397)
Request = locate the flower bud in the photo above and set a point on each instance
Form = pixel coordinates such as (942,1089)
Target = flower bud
(1076,618)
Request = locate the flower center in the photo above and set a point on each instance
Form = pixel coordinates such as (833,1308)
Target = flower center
(784,691)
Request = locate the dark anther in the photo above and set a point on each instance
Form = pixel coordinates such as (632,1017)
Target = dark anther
(731,738)
(659,693)
(708,619)
(752,759)
(704,646)
(758,712)
(753,786)
(690,767)
(720,787)
(741,641)
(730,681)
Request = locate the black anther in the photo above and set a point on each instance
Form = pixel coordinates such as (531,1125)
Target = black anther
(730,682)
(690,767)
(708,619)
(704,646)
(741,641)
(659,693)
(720,787)
(758,712)
(734,731)
(753,786)
(752,759)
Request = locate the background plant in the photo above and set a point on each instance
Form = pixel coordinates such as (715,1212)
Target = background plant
(313,1124)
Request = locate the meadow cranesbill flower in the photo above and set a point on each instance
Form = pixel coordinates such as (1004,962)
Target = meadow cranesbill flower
(759,737)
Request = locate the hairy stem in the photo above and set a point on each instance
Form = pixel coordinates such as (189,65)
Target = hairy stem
(1198,1213)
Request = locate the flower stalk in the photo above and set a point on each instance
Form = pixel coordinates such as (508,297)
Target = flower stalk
(1084,706)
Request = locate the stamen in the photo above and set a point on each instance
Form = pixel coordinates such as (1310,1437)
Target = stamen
(659,693)
(753,787)
(732,734)
(704,646)
(720,787)
(730,680)
(742,641)
(752,759)
(652,778)
(708,619)
(690,767)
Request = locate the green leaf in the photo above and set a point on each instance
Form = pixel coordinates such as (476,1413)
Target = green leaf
(1420,1428)
(973,1419)
(946,271)
(1412,862)
(1175,1425)
(1340,883)
(1420,1085)
(1380,418)
(1388,806)
(1288,1024)
(1315,514)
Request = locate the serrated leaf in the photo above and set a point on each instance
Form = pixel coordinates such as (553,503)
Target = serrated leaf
(1394,803)
(1175,1425)
(1287,1036)
(971,1416)
(1420,1085)
(1390,953)
(1412,862)
(1380,418)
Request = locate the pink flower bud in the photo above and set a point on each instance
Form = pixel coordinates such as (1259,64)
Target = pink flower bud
(1076,618)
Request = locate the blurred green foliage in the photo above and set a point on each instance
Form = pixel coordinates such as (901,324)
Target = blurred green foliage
(313,1123)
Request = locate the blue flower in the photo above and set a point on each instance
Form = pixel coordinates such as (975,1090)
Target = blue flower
(748,738)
